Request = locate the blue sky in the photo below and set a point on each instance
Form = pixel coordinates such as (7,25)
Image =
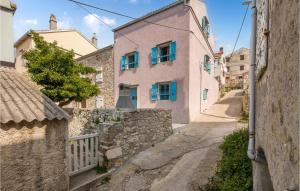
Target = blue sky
(225,17)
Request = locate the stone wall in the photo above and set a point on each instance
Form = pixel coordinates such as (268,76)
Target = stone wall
(33,156)
(123,133)
(101,59)
(277,95)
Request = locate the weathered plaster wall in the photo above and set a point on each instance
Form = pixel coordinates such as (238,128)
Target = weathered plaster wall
(277,96)
(101,59)
(33,156)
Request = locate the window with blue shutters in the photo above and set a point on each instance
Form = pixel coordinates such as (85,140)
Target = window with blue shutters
(154,55)
(154,92)
(130,61)
(123,63)
(164,91)
(205,94)
(205,26)
(163,53)
(207,63)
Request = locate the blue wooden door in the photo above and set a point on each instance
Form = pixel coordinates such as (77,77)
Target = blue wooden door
(133,96)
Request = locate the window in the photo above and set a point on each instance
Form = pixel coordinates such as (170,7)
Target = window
(228,68)
(242,67)
(205,26)
(129,61)
(163,53)
(205,94)
(99,102)
(228,59)
(207,64)
(242,57)
(164,91)
(240,77)
(99,75)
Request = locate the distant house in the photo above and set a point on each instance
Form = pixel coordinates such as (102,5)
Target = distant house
(67,39)
(220,66)
(237,65)
(102,61)
(170,66)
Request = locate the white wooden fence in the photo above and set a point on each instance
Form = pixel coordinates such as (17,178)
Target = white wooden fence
(82,153)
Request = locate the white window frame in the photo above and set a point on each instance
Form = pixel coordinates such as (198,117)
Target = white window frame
(101,98)
(99,75)
(159,47)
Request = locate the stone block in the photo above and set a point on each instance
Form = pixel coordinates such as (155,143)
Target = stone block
(114,153)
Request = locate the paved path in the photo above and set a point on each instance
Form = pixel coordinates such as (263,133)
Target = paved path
(185,160)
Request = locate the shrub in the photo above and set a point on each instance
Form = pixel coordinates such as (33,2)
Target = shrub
(234,171)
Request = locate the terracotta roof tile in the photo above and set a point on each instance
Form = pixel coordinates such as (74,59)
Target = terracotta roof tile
(22,101)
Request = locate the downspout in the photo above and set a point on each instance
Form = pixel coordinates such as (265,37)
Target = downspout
(251,145)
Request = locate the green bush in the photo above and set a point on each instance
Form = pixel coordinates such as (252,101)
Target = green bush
(234,171)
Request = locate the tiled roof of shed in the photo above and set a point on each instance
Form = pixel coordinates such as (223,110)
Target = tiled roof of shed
(22,101)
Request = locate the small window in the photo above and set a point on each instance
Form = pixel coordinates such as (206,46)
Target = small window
(164,53)
(242,67)
(99,102)
(131,61)
(240,77)
(164,91)
(242,57)
(228,59)
(228,68)
(99,76)
(205,94)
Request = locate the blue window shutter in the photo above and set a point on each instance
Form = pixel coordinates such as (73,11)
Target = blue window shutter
(154,52)
(173,90)
(136,58)
(123,63)
(205,91)
(154,90)
(173,51)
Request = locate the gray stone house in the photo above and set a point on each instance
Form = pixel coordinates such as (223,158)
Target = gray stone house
(237,65)
(33,134)
(277,109)
(102,61)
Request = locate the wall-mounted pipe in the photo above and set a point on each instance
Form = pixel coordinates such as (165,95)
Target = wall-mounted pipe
(251,145)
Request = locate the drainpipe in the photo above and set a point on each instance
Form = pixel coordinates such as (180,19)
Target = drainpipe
(251,146)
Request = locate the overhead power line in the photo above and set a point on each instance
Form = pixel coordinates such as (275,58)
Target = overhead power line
(238,36)
(127,16)
(98,18)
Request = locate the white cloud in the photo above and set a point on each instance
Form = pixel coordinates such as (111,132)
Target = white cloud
(133,1)
(31,22)
(65,23)
(95,24)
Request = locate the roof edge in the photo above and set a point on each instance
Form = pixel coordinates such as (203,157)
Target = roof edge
(95,52)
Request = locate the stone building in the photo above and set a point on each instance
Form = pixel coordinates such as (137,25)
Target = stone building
(33,134)
(237,65)
(102,61)
(67,39)
(277,96)
(166,68)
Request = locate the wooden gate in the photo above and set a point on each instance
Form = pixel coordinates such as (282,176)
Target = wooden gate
(82,153)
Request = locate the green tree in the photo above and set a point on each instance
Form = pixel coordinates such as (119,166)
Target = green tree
(58,73)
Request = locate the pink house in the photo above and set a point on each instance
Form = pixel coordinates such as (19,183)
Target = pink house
(166,59)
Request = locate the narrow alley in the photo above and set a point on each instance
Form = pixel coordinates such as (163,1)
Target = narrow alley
(171,165)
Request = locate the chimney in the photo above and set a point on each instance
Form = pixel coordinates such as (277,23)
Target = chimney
(52,22)
(221,49)
(94,40)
